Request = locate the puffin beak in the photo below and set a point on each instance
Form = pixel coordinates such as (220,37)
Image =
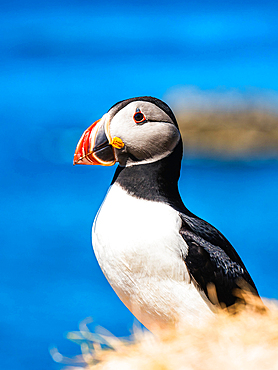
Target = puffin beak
(96,146)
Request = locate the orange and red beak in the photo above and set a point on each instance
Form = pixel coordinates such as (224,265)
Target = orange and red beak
(96,145)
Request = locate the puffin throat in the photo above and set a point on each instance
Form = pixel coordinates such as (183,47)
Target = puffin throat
(156,181)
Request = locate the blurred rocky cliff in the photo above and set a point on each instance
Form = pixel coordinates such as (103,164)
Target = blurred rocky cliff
(232,124)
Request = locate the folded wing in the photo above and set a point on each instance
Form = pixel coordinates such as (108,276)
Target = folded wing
(212,261)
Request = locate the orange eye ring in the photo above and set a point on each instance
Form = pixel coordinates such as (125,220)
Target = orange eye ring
(139,117)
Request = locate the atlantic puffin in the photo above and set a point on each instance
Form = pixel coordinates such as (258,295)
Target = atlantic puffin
(168,266)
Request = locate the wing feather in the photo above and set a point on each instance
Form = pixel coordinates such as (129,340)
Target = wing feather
(211,260)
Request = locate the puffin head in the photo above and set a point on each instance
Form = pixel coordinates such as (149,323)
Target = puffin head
(133,131)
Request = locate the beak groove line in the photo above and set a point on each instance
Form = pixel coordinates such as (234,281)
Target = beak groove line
(87,152)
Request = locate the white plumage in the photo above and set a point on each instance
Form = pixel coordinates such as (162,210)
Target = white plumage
(138,246)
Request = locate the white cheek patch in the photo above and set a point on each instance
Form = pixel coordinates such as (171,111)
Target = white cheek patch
(159,137)
(150,141)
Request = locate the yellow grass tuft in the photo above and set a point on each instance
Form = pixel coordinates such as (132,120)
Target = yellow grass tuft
(245,338)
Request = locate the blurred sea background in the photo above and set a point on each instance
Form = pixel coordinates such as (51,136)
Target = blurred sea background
(63,64)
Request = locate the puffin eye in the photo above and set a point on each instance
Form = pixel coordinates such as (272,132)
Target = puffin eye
(139,117)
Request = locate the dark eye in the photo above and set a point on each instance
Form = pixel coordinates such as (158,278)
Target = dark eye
(139,117)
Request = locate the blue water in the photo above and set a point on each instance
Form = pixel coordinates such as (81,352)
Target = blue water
(63,64)
(50,278)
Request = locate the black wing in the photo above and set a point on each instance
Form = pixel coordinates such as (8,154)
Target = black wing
(211,259)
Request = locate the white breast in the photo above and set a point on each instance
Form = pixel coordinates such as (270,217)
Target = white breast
(138,246)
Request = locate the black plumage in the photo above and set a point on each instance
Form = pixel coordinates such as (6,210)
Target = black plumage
(213,262)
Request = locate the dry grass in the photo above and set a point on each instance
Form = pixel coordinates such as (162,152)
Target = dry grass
(246,340)
(233,134)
